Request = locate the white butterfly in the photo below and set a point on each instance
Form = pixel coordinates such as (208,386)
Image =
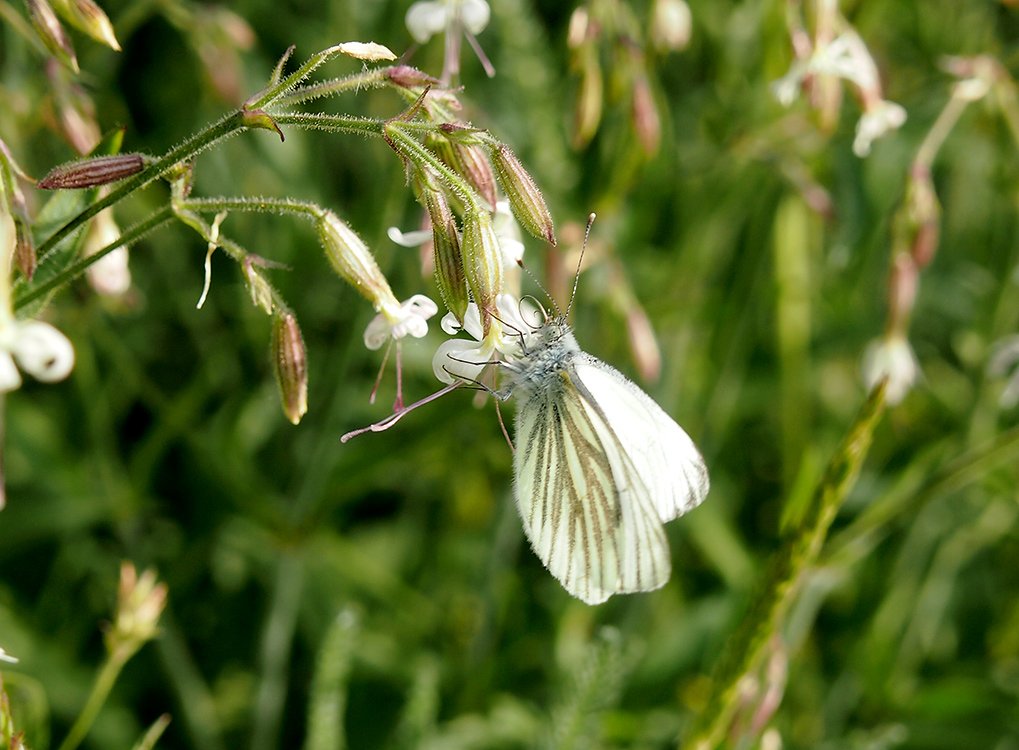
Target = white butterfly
(599,467)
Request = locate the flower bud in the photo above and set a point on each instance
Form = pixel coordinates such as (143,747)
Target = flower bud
(258,287)
(482,263)
(52,34)
(471,161)
(353,260)
(291,362)
(408,77)
(646,122)
(525,198)
(587,112)
(449,268)
(140,602)
(88,17)
(86,173)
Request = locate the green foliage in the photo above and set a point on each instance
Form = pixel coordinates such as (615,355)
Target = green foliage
(380,593)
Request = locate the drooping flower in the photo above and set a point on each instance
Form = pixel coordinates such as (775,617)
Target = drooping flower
(427,18)
(36,348)
(407,318)
(465,359)
(892,358)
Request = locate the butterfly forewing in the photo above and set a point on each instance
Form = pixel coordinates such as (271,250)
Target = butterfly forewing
(660,450)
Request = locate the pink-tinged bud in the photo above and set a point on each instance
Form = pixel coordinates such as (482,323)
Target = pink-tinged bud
(902,287)
(52,34)
(291,363)
(140,602)
(646,123)
(670,25)
(482,263)
(449,266)
(587,112)
(86,173)
(353,260)
(407,77)
(525,198)
(471,162)
(88,17)
(924,211)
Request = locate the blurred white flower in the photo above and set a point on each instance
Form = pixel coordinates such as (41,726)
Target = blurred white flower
(4,656)
(427,18)
(464,359)
(1005,357)
(882,117)
(110,275)
(891,357)
(409,318)
(37,348)
(848,58)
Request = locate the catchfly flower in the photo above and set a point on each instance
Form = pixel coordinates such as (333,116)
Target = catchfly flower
(407,318)
(465,359)
(427,18)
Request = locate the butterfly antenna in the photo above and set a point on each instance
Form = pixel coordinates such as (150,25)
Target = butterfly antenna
(541,286)
(580,262)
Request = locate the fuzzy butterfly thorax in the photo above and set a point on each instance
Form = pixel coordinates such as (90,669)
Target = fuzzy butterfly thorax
(544,353)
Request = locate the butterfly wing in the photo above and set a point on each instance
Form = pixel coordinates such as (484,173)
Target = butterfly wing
(595,480)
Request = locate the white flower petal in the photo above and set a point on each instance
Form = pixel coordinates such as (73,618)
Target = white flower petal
(425,19)
(10,378)
(4,656)
(111,275)
(376,334)
(43,352)
(460,359)
(475,15)
(876,122)
(415,238)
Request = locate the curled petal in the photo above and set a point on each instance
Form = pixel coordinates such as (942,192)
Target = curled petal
(10,378)
(460,359)
(475,15)
(43,352)
(880,119)
(414,238)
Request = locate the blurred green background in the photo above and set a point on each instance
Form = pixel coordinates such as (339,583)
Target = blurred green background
(394,565)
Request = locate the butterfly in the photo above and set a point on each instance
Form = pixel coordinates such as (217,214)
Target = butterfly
(598,467)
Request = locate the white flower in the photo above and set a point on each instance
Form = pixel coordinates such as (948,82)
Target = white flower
(882,117)
(409,318)
(891,357)
(38,348)
(1005,357)
(4,656)
(463,359)
(413,238)
(427,18)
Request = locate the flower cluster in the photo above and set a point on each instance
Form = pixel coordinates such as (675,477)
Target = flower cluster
(836,52)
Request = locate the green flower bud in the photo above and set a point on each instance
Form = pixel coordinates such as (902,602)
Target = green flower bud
(449,267)
(52,34)
(482,263)
(88,17)
(524,196)
(353,260)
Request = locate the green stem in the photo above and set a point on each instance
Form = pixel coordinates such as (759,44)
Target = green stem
(182,152)
(273,93)
(367,79)
(786,569)
(277,641)
(105,680)
(333,123)
(413,149)
(304,209)
(130,236)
